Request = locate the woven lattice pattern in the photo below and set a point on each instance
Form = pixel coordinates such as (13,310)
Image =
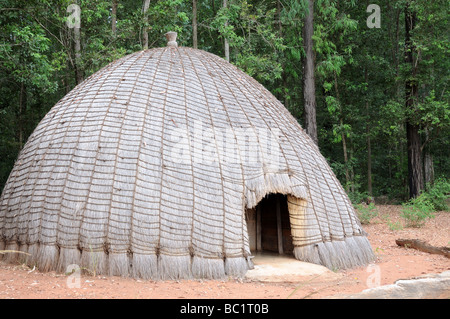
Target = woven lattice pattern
(146,169)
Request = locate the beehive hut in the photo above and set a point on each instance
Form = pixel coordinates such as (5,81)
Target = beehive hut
(172,163)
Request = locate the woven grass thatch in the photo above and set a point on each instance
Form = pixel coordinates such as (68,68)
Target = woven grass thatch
(147,167)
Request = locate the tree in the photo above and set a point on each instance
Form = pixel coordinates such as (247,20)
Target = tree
(331,26)
(145,7)
(114,17)
(194,24)
(251,30)
(415,171)
(29,62)
(226,44)
(309,86)
(77,47)
(426,114)
(372,85)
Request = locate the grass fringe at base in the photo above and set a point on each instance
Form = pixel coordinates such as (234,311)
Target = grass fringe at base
(349,253)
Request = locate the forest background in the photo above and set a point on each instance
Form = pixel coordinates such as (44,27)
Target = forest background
(368,80)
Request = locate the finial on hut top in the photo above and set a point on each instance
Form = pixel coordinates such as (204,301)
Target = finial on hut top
(171,39)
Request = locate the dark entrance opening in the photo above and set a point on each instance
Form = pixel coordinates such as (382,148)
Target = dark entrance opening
(269,227)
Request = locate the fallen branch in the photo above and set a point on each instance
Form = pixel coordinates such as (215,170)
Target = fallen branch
(423,246)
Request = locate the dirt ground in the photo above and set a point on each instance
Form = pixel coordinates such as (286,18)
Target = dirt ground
(392,263)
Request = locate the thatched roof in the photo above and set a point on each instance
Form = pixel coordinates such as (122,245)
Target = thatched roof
(146,169)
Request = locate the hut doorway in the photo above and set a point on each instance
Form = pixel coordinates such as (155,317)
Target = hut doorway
(269,226)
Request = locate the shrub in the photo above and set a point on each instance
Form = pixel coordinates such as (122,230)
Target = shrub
(366,212)
(394,225)
(438,193)
(357,197)
(417,210)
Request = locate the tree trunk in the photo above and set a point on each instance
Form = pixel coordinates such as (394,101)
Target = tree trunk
(77,43)
(114,17)
(423,246)
(344,149)
(415,176)
(369,161)
(194,24)
(284,95)
(343,136)
(22,107)
(226,44)
(415,170)
(369,146)
(213,6)
(429,168)
(145,7)
(427,161)
(309,89)
(351,169)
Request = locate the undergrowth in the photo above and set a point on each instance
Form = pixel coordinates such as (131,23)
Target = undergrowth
(366,212)
(417,210)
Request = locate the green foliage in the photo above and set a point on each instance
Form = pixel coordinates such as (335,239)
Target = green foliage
(366,212)
(165,16)
(431,112)
(26,59)
(437,194)
(416,211)
(357,197)
(394,225)
(254,41)
(360,72)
